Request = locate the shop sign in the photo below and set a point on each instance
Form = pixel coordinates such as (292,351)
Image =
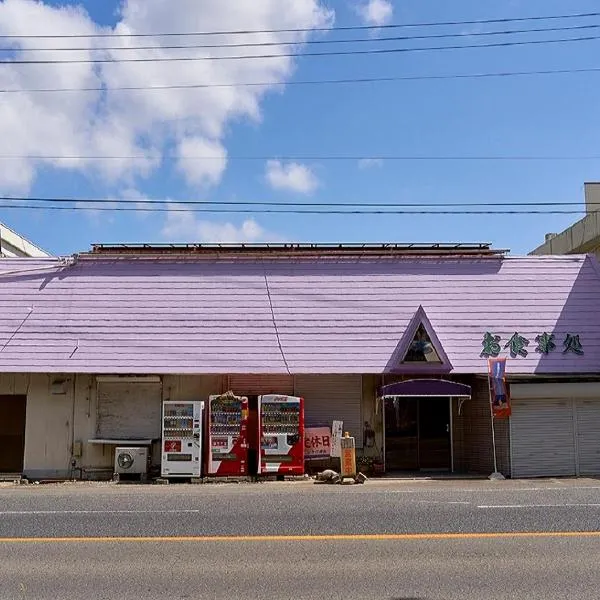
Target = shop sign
(336,436)
(517,345)
(317,443)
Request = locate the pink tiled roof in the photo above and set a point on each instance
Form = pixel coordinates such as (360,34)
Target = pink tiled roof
(341,315)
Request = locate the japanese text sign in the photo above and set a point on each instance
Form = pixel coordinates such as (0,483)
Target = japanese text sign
(498,388)
(517,345)
(336,436)
(317,442)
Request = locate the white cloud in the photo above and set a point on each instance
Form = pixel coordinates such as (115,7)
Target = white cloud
(369,163)
(201,161)
(185,227)
(144,123)
(375,12)
(293,176)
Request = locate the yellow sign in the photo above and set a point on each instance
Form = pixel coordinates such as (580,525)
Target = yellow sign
(348,457)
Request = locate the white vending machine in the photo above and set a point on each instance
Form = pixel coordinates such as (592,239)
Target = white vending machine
(181,439)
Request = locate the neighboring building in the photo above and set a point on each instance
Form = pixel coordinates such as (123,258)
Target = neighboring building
(13,245)
(584,236)
(89,348)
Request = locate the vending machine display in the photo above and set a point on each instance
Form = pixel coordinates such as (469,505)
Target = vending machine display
(281,424)
(181,439)
(227,435)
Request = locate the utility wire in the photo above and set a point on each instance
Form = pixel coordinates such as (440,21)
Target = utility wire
(156,201)
(371,40)
(377,51)
(179,208)
(310,157)
(351,80)
(307,29)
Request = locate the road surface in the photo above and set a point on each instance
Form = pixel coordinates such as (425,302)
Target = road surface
(386,540)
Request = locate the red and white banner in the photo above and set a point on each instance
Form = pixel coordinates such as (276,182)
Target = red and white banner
(499,396)
(317,443)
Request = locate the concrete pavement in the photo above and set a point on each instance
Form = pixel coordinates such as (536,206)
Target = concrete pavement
(462,566)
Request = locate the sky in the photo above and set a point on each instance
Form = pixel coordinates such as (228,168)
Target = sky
(278,141)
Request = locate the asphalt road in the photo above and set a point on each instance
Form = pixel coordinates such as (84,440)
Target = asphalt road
(388,540)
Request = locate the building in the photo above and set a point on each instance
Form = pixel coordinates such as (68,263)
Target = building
(582,237)
(12,245)
(392,339)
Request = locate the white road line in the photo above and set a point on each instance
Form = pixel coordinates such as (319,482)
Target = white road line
(97,512)
(539,506)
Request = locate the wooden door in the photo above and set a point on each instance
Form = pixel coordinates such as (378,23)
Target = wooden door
(12,433)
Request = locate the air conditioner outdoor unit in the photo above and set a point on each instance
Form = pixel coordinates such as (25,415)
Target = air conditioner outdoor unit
(132,461)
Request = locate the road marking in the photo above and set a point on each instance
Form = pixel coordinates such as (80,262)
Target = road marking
(99,512)
(377,537)
(538,505)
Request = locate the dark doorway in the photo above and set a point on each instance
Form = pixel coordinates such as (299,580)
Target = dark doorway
(417,434)
(12,433)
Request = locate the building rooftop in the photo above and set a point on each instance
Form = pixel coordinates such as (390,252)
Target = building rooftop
(14,245)
(338,314)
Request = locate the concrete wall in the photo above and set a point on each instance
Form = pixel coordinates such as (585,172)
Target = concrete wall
(584,236)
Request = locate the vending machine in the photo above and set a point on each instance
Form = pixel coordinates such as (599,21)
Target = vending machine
(181,439)
(281,432)
(227,435)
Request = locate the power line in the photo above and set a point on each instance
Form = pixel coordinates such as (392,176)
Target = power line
(310,157)
(351,80)
(377,51)
(293,211)
(401,38)
(156,201)
(307,29)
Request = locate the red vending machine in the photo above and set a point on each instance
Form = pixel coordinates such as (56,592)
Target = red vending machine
(227,435)
(281,431)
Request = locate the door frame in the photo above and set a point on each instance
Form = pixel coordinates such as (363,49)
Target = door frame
(450,426)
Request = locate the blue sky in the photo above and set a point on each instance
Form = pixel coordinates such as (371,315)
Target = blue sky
(537,115)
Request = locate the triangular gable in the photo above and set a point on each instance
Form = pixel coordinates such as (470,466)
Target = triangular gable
(420,348)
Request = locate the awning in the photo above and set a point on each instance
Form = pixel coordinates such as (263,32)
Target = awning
(426,388)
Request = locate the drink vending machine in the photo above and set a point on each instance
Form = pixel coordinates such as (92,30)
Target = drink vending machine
(227,435)
(181,439)
(281,433)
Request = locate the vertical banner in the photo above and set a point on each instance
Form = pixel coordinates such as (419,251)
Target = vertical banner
(336,436)
(498,389)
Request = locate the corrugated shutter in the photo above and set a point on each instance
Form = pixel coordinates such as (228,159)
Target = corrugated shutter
(129,410)
(332,397)
(543,438)
(257,385)
(588,436)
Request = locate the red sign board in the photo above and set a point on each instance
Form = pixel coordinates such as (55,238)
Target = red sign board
(172,445)
(317,442)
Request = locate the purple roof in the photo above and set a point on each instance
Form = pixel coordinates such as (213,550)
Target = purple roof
(321,315)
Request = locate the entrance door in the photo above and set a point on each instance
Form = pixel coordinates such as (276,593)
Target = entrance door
(434,434)
(417,434)
(12,433)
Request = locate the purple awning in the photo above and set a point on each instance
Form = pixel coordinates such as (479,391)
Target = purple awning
(426,387)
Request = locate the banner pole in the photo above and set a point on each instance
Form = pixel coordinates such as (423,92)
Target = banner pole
(493,430)
(495,475)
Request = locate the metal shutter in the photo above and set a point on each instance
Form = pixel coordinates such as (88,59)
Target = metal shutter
(588,436)
(542,438)
(258,385)
(129,410)
(332,397)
